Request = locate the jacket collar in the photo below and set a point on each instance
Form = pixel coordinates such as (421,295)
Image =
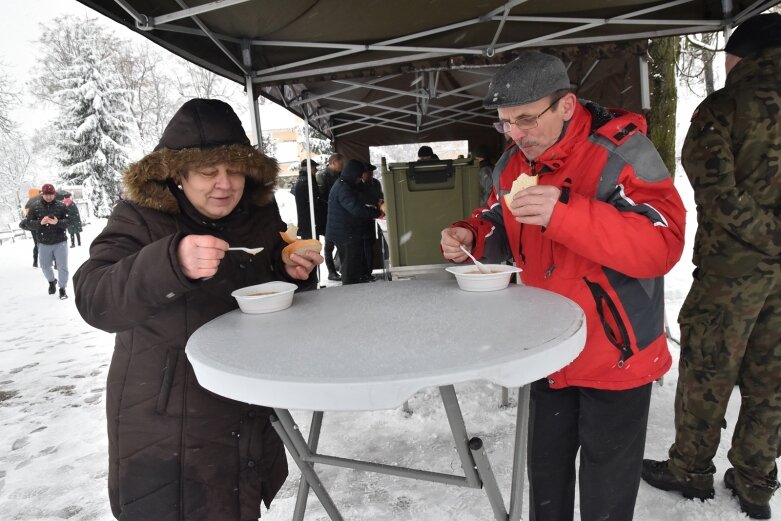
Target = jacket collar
(764,64)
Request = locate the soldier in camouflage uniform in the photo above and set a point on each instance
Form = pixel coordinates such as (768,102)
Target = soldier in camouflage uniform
(731,319)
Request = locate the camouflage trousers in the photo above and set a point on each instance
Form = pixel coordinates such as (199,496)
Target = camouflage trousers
(730,335)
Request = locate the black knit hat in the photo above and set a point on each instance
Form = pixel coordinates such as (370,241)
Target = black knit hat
(203,123)
(755,34)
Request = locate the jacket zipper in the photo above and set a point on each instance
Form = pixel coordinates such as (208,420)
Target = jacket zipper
(620,338)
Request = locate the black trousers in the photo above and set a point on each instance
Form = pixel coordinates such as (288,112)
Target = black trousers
(608,427)
(352,259)
(329,256)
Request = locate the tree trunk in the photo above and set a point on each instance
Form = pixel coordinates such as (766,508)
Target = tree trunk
(664,97)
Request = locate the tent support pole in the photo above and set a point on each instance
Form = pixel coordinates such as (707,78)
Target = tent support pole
(645,89)
(253,105)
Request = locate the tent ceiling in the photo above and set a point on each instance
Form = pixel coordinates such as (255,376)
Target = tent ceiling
(379,71)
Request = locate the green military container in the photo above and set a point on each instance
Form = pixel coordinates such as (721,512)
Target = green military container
(422,198)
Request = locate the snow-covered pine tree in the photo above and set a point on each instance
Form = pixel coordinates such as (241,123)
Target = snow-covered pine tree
(94,131)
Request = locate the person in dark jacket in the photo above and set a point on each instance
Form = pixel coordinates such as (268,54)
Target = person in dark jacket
(370,194)
(158,271)
(48,221)
(301,193)
(34,197)
(482,156)
(347,220)
(74,221)
(325,181)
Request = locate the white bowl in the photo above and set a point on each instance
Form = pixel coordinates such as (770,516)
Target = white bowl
(265,298)
(469,277)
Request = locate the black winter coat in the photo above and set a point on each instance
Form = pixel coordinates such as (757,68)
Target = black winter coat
(48,233)
(74,219)
(178,452)
(348,215)
(301,193)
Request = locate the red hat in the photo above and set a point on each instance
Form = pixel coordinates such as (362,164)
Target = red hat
(48,188)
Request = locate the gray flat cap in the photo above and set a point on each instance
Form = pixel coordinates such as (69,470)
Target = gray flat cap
(528,78)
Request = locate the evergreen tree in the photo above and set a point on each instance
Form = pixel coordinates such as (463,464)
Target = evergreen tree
(95,129)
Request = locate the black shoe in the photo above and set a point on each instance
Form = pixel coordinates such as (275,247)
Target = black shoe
(35,264)
(52,287)
(63,295)
(73,245)
(335,277)
(658,474)
(752,510)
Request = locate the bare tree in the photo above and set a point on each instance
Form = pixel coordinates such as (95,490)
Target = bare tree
(15,173)
(695,62)
(197,82)
(145,74)
(8,97)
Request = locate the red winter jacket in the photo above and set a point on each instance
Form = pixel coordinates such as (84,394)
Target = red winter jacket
(617,228)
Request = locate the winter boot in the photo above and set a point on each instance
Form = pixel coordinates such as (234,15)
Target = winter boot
(63,295)
(52,286)
(752,510)
(658,474)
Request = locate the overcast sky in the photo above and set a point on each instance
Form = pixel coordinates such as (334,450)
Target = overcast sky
(19,29)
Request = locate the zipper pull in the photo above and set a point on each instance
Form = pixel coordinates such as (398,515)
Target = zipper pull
(549,271)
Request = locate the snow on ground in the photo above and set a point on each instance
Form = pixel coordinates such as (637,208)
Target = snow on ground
(53,443)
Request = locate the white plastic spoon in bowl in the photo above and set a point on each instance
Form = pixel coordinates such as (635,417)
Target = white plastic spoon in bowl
(251,251)
(480,266)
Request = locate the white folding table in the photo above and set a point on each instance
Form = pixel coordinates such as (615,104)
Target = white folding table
(425,333)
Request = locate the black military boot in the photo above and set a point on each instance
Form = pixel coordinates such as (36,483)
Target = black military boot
(52,287)
(658,474)
(63,295)
(752,510)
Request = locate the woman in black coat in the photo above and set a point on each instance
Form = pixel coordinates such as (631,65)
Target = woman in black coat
(157,272)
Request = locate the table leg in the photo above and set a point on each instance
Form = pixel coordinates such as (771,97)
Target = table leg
(303,486)
(474,461)
(291,436)
(460,437)
(519,456)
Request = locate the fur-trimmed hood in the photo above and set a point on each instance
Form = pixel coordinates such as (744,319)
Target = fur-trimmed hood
(203,132)
(146,182)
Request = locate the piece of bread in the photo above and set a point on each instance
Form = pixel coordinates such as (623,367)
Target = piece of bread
(291,234)
(300,246)
(523,181)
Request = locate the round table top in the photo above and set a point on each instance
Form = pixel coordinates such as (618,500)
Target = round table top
(372,346)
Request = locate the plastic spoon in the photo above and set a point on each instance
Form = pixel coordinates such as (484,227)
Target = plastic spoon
(480,266)
(251,251)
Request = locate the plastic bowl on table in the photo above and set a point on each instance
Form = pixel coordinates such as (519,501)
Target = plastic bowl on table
(265,298)
(469,277)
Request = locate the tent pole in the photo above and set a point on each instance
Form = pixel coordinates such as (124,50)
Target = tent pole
(309,184)
(253,105)
(645,89)
(726,8)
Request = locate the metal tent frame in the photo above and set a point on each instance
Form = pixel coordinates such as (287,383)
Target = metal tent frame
(393,72)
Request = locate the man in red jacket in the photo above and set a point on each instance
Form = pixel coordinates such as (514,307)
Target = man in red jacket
(602,225)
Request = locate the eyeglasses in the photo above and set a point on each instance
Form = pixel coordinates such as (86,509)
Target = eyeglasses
(524,122)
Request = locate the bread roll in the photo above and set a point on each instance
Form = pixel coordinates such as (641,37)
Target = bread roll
(523,181)
(300,246)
